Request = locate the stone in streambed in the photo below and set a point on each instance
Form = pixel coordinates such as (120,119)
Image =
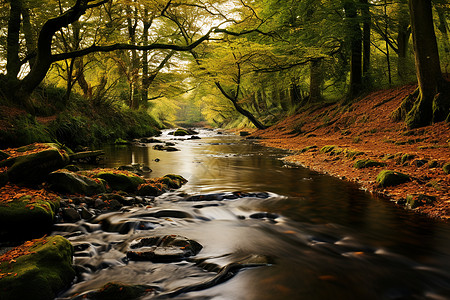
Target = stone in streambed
(72,183)
(37,270)
(118,291)
(390,178)
(117,180)
(163,248)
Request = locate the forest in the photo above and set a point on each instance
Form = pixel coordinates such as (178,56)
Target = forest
(224,149)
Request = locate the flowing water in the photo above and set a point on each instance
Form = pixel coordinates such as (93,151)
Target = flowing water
(284,232)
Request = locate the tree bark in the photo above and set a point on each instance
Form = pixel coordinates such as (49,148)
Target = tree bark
(30,38)
(354,36)
(12,41)
(433,102)
(403,34)
(315,81)
(365,13)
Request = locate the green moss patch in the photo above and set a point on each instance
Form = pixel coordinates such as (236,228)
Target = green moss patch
(26,212)
(306,149)
(72,183)
(406,157)
(390,178)
(446,168)
(37,270)
(117,180)
(414,201)
(367,163)
(180,132)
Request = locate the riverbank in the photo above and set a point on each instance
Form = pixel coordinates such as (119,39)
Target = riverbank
(357,141)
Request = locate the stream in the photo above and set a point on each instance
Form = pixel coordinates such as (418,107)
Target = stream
(267,230)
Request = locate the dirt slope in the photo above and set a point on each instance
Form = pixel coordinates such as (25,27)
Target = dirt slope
(366,127)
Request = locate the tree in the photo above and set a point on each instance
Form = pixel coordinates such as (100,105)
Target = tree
(432,103)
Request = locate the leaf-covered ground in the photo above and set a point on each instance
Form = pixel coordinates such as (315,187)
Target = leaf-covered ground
(365,130)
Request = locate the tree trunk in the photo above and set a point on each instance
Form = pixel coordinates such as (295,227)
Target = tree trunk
(354,37)
(315,81)
(12,41)
(365,13)
(30,38)
(433,102)
(403,35)
(443,27)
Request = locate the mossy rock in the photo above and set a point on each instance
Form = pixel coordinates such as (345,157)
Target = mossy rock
(117,180)
(446,168)
(349,153)
(118,291)
(433,164)
(390,178)
(150,189)
(44,269)
(72,168)
(120,141)
(3,155)
(28,215)
(72,183)
(327,149)
(367,163)
(173,181)
(34,167)
(180,132)
(414,201)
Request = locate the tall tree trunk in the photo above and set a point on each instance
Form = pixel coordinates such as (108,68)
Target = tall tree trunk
(365,13)
(134,67)
(433,102)
(354,36)
(12,41)
(404,32)
(443,27)
(30,38)
(145,75)
(315,81)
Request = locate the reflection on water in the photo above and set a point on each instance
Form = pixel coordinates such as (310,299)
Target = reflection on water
(323,238)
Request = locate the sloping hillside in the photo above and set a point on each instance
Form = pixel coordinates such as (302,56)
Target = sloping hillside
(363,134)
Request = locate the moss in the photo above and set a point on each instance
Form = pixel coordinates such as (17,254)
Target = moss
(173,181)
(117,180)
(120,141)
(367,163)
(27,215)
(72,183)
(150,189)
(446,168)
(327,149)
(390,178)
(406,157)
(33,168)
(349,153)
(43,271)
(180,132)
(414,201)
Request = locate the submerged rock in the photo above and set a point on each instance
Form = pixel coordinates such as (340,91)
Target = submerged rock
(118,291)
(389,178)
(163,248)
(37,270)
(165,148)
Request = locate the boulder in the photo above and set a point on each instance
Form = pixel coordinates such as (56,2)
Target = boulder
(117,180)
(163,248)
(118,291)
(3,178)
(26,212)
(165,148)
(244,133)
(367,163)
(150,189)
(37,270)
(34,167)
(173,181)
(72,183)
(3,155)
(181,132)
(389,178)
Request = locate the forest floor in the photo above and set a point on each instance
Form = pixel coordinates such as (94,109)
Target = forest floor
(365,129)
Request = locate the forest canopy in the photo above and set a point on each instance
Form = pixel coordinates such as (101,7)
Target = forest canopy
(225,62)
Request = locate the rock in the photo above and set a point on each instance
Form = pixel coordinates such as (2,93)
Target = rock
(389,178)
(367,163)
(164,148)
(3,178)
(120,141)
(72,168)
(166,248)
(446,168)
(118,291)
(34,167)
(150,189)
(433,164)
(180,132)
(29,214)
(40,273)
(419,162)
(86,214)
(195,137)
(70,215)
(149,140)
(244,133)
(73,183)
(414,201)
(406,157)
(117,180)
(173,181)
